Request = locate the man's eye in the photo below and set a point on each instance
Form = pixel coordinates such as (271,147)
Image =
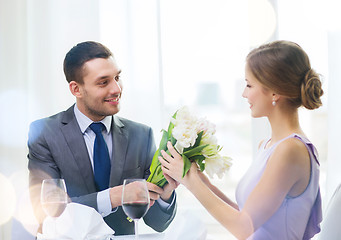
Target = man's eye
(248,85)
(117,78)
(103,83)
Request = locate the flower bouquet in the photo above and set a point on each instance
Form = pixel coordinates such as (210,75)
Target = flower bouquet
(195,141)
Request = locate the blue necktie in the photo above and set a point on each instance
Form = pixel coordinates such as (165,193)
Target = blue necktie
(101,158)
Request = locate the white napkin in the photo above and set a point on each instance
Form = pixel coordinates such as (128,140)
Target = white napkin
(78,222)
(186,225)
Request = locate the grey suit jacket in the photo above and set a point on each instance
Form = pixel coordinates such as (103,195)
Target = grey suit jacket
(57,150)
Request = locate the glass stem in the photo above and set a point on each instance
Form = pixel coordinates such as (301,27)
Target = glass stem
(54,227)
(136,229)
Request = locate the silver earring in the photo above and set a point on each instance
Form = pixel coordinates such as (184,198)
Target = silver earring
(273,103)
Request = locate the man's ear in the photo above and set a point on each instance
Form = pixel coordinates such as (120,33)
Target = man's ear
(75,89)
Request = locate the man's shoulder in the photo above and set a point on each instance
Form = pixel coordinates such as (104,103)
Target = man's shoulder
(50,121)
(130,124)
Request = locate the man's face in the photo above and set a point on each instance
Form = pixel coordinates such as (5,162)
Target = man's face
(99,95)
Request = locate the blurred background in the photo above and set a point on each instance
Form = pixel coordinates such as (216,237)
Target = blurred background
(172,53)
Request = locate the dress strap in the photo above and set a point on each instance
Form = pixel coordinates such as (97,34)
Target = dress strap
(311,148)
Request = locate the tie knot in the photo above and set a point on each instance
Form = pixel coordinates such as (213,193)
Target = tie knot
(97,127)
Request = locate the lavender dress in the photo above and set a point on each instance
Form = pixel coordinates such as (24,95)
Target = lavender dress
(297,217)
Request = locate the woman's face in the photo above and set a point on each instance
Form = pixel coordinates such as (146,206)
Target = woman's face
(259,98)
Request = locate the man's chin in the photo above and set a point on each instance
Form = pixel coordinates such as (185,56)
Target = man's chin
(114,111)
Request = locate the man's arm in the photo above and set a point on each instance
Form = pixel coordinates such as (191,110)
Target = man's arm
(43,144)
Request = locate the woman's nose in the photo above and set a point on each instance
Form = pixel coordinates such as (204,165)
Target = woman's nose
(244,93)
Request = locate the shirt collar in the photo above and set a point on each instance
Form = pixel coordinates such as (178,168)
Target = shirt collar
(84,122)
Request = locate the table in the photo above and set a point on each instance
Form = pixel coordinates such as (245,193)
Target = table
(149,236)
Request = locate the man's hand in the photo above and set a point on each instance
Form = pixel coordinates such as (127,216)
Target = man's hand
(116,196)
(154,192)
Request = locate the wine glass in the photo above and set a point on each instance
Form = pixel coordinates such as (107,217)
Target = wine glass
(135,200)
(53,198)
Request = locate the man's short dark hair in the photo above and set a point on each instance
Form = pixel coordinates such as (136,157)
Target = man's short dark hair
(80,54)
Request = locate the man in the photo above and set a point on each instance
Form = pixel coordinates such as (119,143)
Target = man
(64,145)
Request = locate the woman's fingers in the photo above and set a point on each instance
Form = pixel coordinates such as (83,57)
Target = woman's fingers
(166,156)
(166,165)
(171,182)
(172,165)
(164,162)
(174,154)
(172,150)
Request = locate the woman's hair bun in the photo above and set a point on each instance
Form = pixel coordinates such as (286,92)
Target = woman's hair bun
(311,90)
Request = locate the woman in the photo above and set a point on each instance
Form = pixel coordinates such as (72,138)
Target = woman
(278,198)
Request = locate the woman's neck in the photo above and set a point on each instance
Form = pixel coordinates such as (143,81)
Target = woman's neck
(284,123)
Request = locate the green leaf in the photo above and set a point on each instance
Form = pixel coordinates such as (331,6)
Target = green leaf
(201,164)
(163,142)
(162,182)
(173,140)
(198,140)
(187,165)
(156,176)
(155,162)
(153,174)
(170,129)
(197,158)
(159,171)
(194,151)
(171,126)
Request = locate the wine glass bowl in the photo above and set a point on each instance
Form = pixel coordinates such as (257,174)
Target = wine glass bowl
(135,200)
(53,197)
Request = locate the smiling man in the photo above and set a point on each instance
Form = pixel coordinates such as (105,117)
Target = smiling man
(64,145)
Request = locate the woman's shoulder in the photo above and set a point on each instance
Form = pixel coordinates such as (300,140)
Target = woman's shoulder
(292,150)
(263,142)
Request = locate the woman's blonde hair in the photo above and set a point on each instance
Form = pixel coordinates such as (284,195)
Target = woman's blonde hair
(284,67)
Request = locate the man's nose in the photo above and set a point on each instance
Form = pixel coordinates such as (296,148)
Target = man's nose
(116,87)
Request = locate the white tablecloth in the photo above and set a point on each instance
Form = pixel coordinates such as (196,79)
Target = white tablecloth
(150,236)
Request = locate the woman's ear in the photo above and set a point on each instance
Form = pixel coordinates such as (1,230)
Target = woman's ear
(275,97)
(75,89)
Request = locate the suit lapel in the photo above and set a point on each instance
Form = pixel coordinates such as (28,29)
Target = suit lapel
(76,143)
(120,144)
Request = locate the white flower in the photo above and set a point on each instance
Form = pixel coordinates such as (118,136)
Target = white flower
(208,139)
(185,129)
(217,165)
(206,126)
(210,151)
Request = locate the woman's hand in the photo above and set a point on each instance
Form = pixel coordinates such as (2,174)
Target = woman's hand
(173,165)
(169,188)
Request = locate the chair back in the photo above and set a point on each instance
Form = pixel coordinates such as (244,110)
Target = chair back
(331,224)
